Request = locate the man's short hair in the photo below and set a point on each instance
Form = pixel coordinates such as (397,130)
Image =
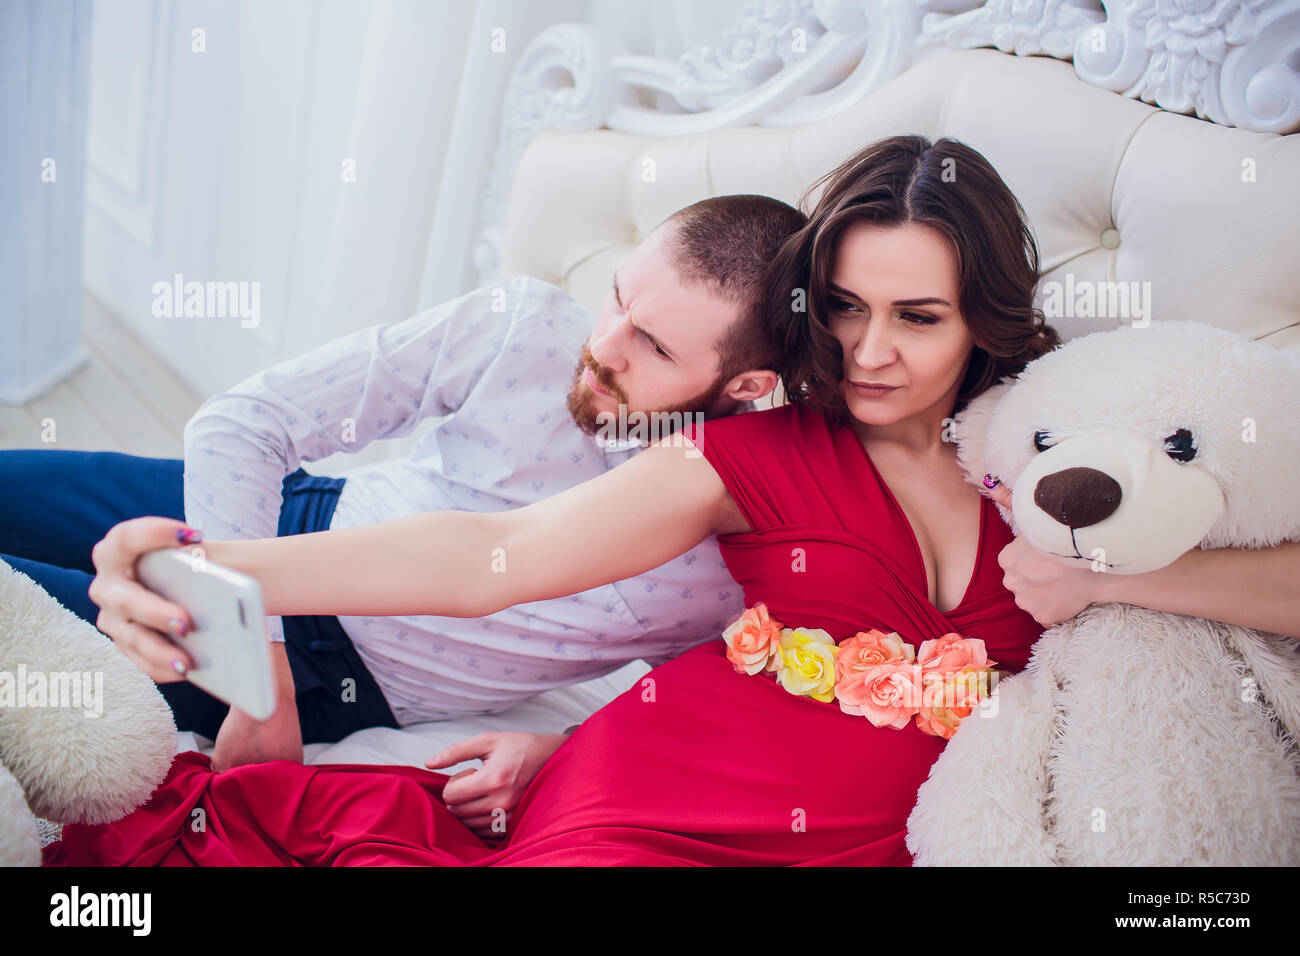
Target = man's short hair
(726,243)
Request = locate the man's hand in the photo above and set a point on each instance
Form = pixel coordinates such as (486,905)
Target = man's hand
(244,740)
(510,761)
(137,619)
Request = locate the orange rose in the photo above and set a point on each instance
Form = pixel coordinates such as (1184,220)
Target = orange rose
(752,640)
(946,701)
(938,722)
(887,694)
(866,649)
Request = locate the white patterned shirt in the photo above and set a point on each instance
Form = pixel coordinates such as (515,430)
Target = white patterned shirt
(496,366)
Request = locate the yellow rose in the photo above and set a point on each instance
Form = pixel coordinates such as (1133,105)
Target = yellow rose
(805,663)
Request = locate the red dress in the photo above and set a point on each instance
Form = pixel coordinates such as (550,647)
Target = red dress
(696,764)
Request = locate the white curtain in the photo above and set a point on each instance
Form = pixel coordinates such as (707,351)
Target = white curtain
(461,127)
(43,93)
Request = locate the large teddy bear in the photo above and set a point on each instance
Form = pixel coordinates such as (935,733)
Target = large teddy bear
(85,737)
(1134,737)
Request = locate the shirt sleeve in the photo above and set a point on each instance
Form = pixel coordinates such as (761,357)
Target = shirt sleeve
(377,382)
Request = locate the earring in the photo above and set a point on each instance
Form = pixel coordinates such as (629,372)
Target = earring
(991,482)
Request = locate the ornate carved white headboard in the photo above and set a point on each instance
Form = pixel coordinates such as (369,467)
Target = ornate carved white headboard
(1117,190)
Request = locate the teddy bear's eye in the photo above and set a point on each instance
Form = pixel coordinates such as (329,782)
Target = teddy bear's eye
(1041,438)
(1179,447)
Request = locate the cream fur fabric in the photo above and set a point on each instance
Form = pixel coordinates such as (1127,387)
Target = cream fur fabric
(20,843)
(1134,737)
(89,757)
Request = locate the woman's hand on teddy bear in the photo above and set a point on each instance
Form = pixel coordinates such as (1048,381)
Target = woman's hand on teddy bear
(1047,590)
(999,493)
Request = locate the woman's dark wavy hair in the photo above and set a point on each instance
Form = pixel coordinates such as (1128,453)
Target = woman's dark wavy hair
(948,187)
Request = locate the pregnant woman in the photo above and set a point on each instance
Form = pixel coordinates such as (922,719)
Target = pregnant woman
(907,294)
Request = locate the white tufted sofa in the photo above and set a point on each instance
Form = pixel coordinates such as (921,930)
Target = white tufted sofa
(1115,190)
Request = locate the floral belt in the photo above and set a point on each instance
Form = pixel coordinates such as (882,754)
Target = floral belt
(874,675)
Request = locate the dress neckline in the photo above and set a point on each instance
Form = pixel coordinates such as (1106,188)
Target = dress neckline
(850,435)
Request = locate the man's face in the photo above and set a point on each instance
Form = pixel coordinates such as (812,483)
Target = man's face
(653,345)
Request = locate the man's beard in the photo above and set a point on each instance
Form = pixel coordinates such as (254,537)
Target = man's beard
(583,411)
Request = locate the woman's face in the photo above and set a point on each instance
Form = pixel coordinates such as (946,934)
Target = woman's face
(894,299)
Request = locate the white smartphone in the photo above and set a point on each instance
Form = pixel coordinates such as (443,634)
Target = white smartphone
(228,642)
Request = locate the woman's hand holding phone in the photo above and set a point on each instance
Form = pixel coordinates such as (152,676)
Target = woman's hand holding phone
(137,619)
(140,621)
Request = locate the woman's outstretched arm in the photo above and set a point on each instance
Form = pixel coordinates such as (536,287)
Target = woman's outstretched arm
(463,564)
(459,564)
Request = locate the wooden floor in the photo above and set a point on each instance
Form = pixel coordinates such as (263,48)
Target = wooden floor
(125,399)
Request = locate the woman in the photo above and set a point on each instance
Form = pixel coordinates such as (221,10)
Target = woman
(843,510)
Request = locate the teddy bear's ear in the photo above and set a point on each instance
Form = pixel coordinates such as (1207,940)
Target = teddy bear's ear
(971,427)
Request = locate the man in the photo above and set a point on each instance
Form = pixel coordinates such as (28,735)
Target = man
(679,333)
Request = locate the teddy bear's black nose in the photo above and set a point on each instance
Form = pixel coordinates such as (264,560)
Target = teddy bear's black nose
(1078,497)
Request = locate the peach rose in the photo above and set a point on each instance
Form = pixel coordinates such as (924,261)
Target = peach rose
(938,722)
(752,640)
(865,649)
(887,694)
(947,700)
(805,663)
(951,653)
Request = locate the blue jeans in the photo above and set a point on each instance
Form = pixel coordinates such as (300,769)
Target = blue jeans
(54,506)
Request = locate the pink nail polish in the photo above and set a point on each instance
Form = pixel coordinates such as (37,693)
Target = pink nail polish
(188,535)
(178,626)
(179,667)
(991,482)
